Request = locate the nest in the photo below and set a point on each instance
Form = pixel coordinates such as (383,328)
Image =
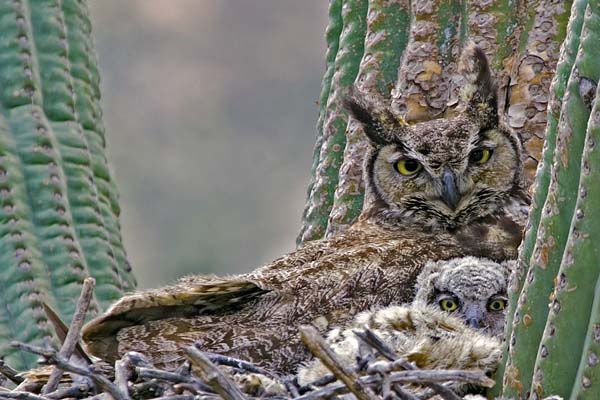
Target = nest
(69,373)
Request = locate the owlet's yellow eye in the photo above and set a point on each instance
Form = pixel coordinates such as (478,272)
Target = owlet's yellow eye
(448,305)
(480,156)
(497,305)
(407,167)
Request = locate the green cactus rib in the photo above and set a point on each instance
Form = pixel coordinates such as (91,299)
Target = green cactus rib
(573,328)
(85,74)
(24,281)
(386,38)
(532,309)
(542,179)
(58,104)
(56,270)
(51,219)
(332,38)
(347,61)
(586,258)
(575,283)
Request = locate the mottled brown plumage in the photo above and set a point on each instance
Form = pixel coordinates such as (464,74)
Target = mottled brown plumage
(430,332)
(452,207)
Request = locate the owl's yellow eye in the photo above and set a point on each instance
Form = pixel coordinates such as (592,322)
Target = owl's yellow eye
(448,305)
(480,156)
(497,305)
(408,166)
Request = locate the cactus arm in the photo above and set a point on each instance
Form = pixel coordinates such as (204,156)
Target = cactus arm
(532,309)
(544,27)
(586,254)
(110,282)
(571,336)
(542,179)
(575,282)
(347,61)
(332,37)
(52,227)
(385,40)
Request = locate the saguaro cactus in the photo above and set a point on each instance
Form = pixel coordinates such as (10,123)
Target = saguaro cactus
(59,214)
(554,350)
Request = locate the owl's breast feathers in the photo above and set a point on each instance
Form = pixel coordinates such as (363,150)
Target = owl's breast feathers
(255,315)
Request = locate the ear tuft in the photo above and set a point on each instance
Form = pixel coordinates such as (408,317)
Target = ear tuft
(378,123)
(479,90)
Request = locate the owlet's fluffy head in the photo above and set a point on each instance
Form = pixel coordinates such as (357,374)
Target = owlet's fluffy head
(447,172)
(473,289)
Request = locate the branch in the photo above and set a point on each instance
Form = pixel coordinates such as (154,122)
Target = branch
(52,357)
(370,338)
(213,375)
(320,349)
(72,339)
(9,372)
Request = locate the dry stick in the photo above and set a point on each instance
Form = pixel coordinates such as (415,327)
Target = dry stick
(416,376)
(9,372)
(123,374)
(21,396)
(236,363)
(212,375)
(185,397)
(151,373)
(52,357)
(403,393)
(319,348)
(374,341)
(72,338)
(77,391)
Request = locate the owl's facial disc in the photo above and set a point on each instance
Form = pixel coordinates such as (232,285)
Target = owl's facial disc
(447,176)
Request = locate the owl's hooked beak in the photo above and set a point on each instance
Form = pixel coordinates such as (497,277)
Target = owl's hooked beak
(474,317)
(450,194)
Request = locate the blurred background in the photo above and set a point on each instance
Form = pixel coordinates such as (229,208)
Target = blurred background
(210,112)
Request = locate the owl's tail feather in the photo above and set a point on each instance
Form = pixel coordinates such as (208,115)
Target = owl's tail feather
(190,297)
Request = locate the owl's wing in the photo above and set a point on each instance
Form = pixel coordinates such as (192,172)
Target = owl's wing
(190,297)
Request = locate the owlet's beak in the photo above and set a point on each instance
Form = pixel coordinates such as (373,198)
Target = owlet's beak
(450,194)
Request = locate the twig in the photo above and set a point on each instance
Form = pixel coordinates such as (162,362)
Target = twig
(150,373)
(76,391)
(9,372)
(237,363)
(403,393)
(291,386)
(417,376)
(20,396)
(186,397)
(52,357)
(374,341)
(72,338)
(123,374)
(213,376)
(319,348)
(61,330)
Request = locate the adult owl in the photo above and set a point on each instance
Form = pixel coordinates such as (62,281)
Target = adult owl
(446,188)
(456,320)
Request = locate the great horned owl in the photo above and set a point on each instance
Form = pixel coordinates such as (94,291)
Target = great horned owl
(473,289)
(455,322)
(445,188)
